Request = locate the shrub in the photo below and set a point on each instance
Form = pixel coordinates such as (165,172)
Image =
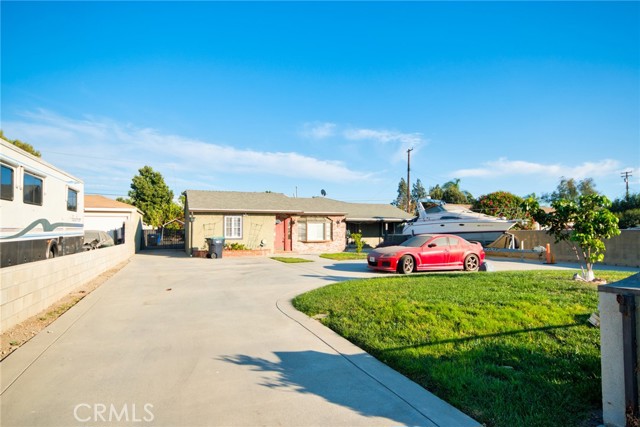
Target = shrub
(357,239)
(235,247)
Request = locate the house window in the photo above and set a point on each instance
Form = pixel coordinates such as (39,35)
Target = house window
(72,200)
(32,189)
(7,183)
(314,230)
(233,227)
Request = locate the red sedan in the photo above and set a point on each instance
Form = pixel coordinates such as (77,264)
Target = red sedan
(428,252)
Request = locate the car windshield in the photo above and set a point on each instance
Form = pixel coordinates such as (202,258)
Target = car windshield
(416,241)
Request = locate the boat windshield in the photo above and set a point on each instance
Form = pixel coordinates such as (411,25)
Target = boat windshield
(416,241)
(432,207)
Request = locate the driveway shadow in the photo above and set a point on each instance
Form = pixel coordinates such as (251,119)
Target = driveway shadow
(167,253)
(336,380)
(351,267)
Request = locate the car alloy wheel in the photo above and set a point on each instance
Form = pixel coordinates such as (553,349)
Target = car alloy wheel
(471,263)
(406,264)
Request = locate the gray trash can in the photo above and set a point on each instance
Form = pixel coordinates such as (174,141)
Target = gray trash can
(216,246)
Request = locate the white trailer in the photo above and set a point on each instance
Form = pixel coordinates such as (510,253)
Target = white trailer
(41,209)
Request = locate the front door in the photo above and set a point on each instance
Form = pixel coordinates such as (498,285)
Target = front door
(282,241)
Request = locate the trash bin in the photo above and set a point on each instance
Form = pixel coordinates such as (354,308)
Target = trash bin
(152,239)
(216,246)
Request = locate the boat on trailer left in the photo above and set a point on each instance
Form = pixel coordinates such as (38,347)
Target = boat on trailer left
(41,209)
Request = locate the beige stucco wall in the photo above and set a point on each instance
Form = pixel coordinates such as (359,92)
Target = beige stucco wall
(255,228)
(623,250)
(261,227)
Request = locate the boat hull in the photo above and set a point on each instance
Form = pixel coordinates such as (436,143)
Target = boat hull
(483,232)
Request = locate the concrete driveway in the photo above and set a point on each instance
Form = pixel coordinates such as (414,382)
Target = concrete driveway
(175,341)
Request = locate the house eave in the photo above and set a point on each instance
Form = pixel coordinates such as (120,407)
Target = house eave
(377,219)
(247,211)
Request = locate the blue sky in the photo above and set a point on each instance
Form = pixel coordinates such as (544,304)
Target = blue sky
(327,95)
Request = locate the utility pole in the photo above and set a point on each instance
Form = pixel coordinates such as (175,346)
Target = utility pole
(625,176)
(409,179)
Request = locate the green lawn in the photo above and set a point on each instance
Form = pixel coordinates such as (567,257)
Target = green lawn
(509,349)
(290,260)
(344,256)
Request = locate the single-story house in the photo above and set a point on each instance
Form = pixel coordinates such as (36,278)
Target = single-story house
(278,223)
(121,220)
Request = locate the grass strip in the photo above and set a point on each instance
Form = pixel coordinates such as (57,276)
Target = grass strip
(344,256)
(509,349)
(290,260)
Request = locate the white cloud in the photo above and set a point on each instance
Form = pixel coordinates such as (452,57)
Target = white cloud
(107,154)
(383,136)
(402,141)
(318,130)
(506,167)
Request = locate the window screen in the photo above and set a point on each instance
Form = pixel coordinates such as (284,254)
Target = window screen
(32,189)
(7,183)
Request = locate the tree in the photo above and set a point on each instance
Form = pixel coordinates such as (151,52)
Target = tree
(436,192)
(569,189)
(401,200)
(626,203)
(23,145)
(500,204)
(627,210)
(151,195)
(450,192)
(583,224)
(418,191)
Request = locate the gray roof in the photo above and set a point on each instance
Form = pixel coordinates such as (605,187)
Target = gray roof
(237,201)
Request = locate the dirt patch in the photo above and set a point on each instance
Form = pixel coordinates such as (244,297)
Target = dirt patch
(13,338)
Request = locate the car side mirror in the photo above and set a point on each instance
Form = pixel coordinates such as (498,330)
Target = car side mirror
(432,245)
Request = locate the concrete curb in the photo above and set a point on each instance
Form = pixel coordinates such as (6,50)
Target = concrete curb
(436,411)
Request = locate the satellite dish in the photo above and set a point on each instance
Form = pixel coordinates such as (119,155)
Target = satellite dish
(324,193)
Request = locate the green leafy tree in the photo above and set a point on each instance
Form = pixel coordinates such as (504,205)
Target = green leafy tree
(124,200)
(569,189)
(418,191)
(627,210)
(583,225)
(500,204)
(23,145)
(629,218)
(175,211)
(626,203)
(436,192)
(450,192)
(152,196)
(401,201)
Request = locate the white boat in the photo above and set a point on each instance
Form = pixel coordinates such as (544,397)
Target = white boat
(435,216)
